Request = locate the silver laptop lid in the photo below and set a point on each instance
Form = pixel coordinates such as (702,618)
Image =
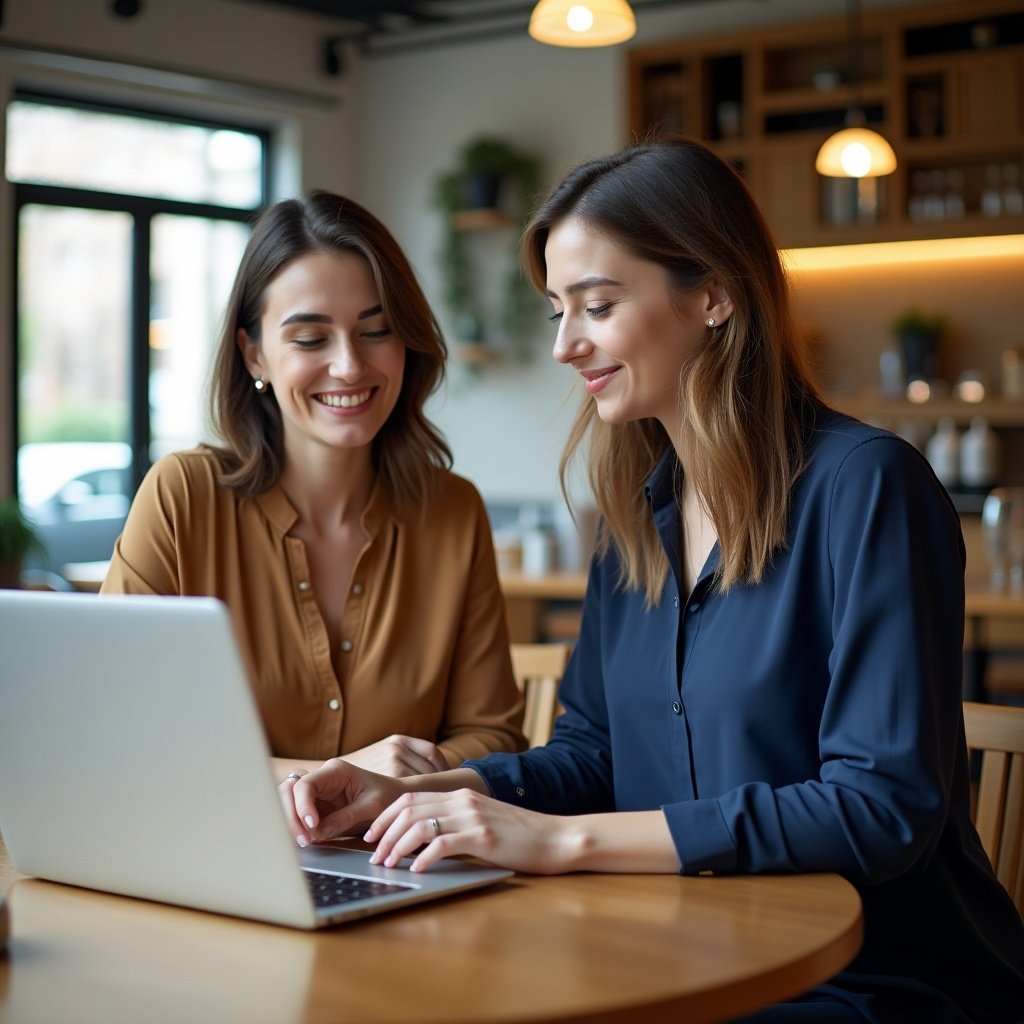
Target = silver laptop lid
(132,759)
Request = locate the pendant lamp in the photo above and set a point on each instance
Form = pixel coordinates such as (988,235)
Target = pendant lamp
(582,22)
(855,151)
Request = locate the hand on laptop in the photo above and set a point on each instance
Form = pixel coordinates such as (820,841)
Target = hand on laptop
(336,799)
(339,799)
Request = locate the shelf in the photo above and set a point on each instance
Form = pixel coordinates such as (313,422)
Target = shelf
(997,412)
(483,219)
(785,100)
(474,353)
(761,97)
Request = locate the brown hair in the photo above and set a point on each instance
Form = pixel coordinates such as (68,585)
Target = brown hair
(408,447)
(743,396)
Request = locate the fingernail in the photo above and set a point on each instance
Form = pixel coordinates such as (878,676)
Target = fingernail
(308,819)
(302,841)
(374,857)
(390,862)
(368,838)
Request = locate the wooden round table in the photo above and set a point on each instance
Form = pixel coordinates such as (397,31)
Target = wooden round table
(576,947)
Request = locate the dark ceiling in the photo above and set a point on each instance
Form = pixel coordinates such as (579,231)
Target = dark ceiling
(391,26)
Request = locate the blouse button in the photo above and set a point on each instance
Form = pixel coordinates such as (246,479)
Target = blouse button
(334,703)
(520,791)
(677,708)
(346,645)
(675,602)
(357,589)
(303,584)
(695,607)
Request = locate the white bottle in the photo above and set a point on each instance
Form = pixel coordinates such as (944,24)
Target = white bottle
(979,455)
(943,452)
(538,543)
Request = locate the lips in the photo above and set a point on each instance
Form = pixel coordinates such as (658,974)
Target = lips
(595,380)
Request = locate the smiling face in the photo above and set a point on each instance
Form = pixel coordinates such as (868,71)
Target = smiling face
(621,325)
(328,354)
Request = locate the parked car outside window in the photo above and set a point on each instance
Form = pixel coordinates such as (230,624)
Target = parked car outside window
(78,495)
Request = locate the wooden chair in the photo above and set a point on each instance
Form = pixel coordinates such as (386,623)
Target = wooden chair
(997,731)
(538,669)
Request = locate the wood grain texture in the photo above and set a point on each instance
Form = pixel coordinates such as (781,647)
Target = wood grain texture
(596,948)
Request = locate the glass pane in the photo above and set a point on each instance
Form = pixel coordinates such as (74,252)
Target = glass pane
(73,373)
(193,265)
(138,156)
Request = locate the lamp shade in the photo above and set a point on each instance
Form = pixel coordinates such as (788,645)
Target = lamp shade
(855,153)
(582,22)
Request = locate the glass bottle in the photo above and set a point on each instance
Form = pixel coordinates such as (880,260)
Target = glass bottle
(1013,198)
(953,201)
(992,196)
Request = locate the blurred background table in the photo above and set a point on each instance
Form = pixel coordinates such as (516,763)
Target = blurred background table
(543,607)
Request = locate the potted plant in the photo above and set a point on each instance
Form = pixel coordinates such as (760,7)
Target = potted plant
(919,335)
(18,540)
(480,181)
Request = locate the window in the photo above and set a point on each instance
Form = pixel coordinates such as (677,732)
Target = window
(129,227)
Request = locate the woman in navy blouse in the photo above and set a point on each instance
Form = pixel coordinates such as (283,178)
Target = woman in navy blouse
(768,673)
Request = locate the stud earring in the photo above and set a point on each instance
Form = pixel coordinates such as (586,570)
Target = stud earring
(711,321)
(259,384)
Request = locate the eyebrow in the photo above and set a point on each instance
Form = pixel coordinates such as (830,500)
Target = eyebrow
(583,285)
(323,318)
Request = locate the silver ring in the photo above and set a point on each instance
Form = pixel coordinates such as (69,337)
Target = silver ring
(294,775)
(435,825)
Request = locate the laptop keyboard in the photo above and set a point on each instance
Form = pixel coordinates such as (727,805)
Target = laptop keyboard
(331,890)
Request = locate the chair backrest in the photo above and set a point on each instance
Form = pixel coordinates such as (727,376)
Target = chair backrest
(538,670)
(997,731)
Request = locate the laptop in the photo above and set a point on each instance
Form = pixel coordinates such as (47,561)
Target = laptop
(133,761)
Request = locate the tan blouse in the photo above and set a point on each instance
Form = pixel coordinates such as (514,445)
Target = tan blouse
(425,646)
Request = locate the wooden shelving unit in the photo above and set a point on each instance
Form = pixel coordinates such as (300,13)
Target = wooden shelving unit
(944,82)
(997,412)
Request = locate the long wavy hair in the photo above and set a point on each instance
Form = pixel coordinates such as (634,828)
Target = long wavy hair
(745,394)
(408,448)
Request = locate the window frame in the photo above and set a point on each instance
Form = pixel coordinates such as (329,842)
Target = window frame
(141,210)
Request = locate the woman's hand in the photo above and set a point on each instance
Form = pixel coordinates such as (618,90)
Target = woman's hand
(334,800)
(467,822)
(399,757)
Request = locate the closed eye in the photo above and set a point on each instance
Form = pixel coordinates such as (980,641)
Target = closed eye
(599,311)
(383,332)
(555,317)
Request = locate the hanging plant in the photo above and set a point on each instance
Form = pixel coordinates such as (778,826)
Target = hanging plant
(487,172)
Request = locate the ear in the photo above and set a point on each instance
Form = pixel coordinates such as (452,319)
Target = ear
(719,305)
(250,353)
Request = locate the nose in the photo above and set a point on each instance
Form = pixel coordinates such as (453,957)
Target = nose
(570,342)
(346,362)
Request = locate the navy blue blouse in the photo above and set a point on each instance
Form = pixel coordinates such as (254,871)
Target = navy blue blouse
(812,722)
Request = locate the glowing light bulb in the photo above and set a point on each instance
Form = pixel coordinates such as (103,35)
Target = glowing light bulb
(856,160)
(580,18)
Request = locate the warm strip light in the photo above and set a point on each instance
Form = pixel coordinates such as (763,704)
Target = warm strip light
(582,22)
(830,257)
(855,153)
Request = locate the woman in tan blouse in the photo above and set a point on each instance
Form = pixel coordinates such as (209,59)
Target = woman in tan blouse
(359,571)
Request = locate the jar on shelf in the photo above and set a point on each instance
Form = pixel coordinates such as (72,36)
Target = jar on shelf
(992,196)
(943,452)
(979,456)
(1013,197)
